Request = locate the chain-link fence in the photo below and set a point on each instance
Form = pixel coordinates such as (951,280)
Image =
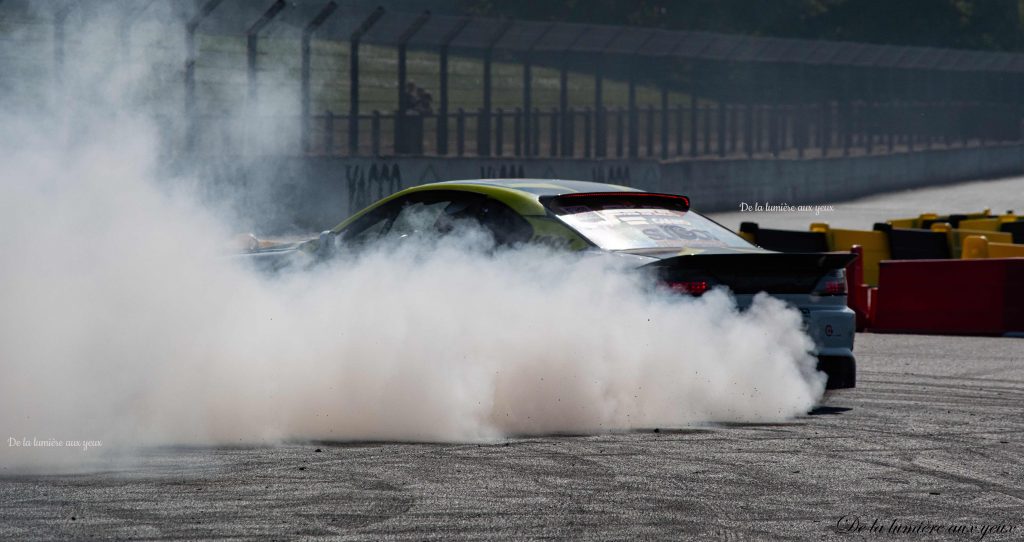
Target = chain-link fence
(352,78)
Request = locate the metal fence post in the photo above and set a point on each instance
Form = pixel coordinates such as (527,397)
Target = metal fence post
(748,129)
(824,127)
(252,37)
(404,136)
(586,132)
(721,127)
(679,129)
(483,128)
(307,38)
(619,136)
(664,123)
(535,133)
(634,129)
(846,125)
(375,132)
(567,116)
(758,127)
(530,119)
(773,129)
(707,129)
(517,130)
(442,112)
(353,76)
(911,126)
(570,128)
(460,131)
(328,132)
(890,126)
(734,126)
(190,70)
(926,115)
(528,102)
(650,131)
(600,125)
(479,123)
(634,115)
(563,105)
(600,111)
(553,135)
(947,127)
(869,128)
(964,129)
(799,130)
(693,125)
(499,131)
(786,132)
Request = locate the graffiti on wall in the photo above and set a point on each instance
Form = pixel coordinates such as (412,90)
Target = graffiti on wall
(610,174)
(504,171)
(367,185)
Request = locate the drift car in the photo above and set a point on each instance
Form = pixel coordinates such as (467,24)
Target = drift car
(686,252)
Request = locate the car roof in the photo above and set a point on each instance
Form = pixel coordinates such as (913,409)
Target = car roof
(541,187)
(522,195)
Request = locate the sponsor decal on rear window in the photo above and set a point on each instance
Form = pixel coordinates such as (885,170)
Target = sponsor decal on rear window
(637,228)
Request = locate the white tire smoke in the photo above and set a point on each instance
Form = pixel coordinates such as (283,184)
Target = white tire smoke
(125,322)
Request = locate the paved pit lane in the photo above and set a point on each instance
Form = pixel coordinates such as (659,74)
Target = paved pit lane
(931,439)
(998,195)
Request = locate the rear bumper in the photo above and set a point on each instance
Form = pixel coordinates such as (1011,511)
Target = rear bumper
(841,371)
(832,326)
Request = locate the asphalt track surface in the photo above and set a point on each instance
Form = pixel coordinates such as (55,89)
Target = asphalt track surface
(932,438)
(933,434)
(998,195)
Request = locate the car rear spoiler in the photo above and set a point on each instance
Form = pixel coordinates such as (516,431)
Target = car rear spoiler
(774,261)
(750,273)
(566,203)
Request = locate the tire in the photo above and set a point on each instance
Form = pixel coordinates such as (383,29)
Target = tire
(841,371)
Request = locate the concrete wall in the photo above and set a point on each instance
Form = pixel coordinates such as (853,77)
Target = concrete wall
(317,192)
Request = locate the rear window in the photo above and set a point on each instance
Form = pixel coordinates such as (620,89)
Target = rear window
(641,220)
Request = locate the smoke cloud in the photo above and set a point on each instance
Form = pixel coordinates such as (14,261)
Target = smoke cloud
(127,321)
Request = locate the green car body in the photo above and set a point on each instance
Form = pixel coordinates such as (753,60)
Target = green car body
(584,216)
(520,195)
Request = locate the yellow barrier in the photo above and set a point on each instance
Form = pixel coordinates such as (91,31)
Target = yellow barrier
(918,221)
(956,236)
(978,246)
(904,222)
(986,224)
(875,244)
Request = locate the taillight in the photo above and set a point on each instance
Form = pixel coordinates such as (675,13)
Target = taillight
(692,287)
(834,283)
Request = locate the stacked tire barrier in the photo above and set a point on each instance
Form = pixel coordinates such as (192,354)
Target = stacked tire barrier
(960,274)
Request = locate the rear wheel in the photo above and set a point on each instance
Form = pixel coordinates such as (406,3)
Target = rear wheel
(841,371)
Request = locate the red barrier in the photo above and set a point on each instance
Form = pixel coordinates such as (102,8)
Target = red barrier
(856,290)
(959,297)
